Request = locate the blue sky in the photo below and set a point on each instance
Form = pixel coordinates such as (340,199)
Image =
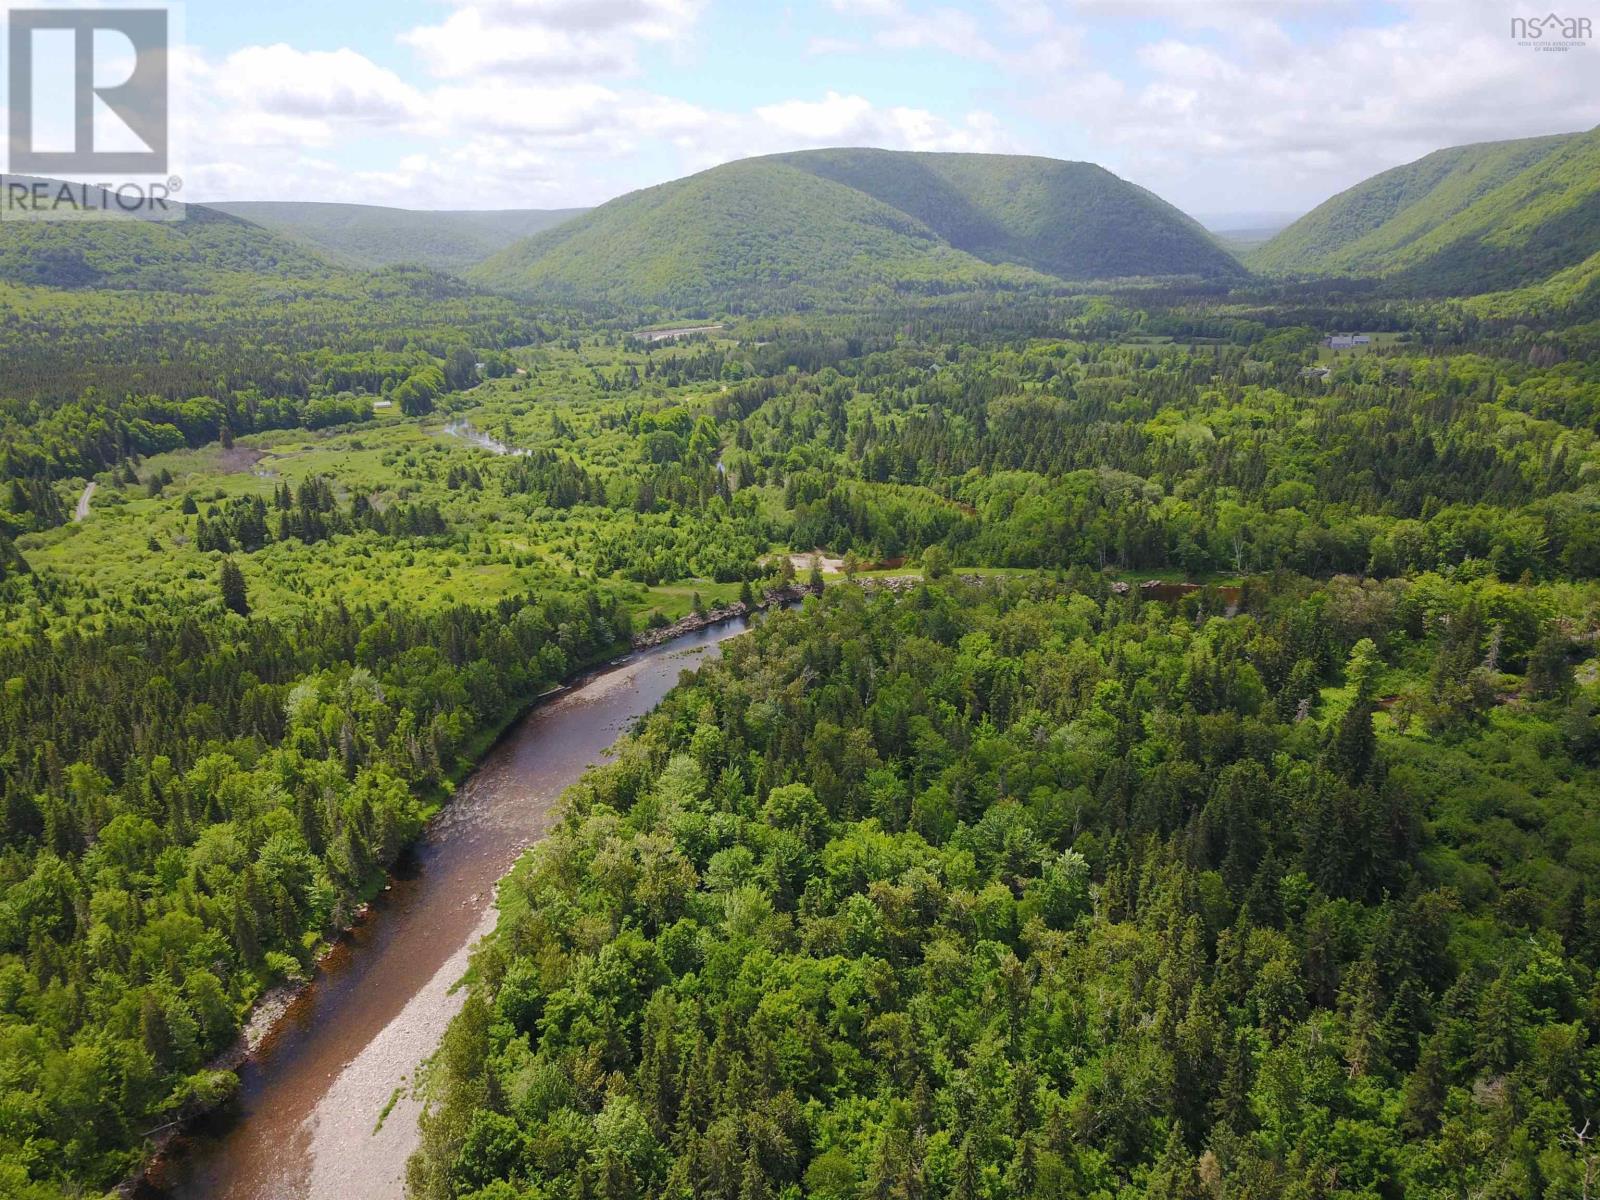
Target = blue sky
(1226,106)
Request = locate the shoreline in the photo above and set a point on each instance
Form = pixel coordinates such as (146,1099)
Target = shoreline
(772,598)
(269,1009)
(265,1016)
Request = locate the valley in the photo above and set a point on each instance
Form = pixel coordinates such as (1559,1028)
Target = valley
(1172,771)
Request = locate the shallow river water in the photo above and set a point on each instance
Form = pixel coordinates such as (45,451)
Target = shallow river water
(305,1124)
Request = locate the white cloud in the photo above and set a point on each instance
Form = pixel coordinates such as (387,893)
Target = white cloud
(1234,109)
(1023,35)
(1234,104)
(951,30)
(532,110)
(831,45)
(566,37)
(276,122)
(277,91)
(840,120)
(1244,101)
(657,19)
(878,10)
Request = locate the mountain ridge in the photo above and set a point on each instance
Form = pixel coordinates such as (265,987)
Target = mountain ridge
(797,228)
(143,253)
(369,235)
(1461,220)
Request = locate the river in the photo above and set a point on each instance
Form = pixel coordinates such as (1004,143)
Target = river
(305,1123)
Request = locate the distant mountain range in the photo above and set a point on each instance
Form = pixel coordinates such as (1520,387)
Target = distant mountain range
(1240,232)
(132,253)
(286,240)
(1518,218)
(365,235)
(799,228)
(1470,219)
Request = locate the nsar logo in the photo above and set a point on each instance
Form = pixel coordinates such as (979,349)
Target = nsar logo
(1552,31)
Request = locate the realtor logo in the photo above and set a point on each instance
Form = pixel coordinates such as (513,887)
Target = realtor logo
(101,74)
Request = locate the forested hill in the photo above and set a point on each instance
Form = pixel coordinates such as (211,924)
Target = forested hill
(1074,220)
(1469,219)
(826,226)
(94,312)
(193,254)
(366,235)
(1030,891)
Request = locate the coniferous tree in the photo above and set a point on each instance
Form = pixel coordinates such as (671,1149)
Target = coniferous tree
(234,591)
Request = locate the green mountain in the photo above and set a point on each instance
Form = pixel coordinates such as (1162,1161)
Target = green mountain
(368,235)
(798,228)
(136,253)
(1073,220)
(1572,294)
(1469,219)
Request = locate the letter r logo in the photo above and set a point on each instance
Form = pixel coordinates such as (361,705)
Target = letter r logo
(69,84)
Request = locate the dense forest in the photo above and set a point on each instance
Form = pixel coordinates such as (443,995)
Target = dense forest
(990,890)
(190,803)
(1185,786)
(1031,890)
(1201,459)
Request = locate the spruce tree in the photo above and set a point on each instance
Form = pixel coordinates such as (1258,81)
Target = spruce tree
(235,595)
